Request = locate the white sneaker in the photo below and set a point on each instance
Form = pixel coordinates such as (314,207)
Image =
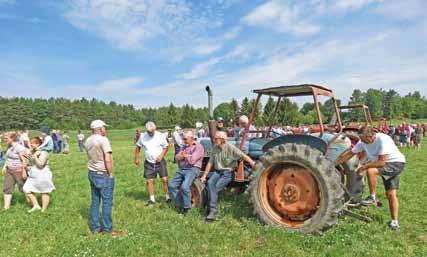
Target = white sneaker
(35,208)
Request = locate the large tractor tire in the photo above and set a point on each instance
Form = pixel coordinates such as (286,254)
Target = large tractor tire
(198,194)
(297,188)
(353,182)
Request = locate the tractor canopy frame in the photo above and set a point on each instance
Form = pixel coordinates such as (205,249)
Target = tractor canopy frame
(291,91)
(366,112)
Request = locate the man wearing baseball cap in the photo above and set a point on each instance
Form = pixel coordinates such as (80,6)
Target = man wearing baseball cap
(220,124)
(101,178)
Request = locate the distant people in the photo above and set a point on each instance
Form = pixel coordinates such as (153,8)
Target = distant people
(1,154)
(24,139)
(66,142)
(80,140)
(101,178)
(243,123)
(190,159)
(403,137)
(47,144)
(55,141)
(59,141)
(221,165)
(137,136)
(220,124)
(39,177)
(155,147)
(14,170)
(200,132)
(385,160)
(177,139)
(418,136)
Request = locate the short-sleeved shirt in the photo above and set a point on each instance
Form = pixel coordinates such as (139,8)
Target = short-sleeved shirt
(225,158)
(22,138)
(153,145)
(47,144)
(383,145)
(80,137)
(97,146)
(13,159)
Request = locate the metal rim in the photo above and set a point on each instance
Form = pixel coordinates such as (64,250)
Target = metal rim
(289,194)
(195,196)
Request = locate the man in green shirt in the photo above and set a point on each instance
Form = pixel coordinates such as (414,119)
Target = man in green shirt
(223,162)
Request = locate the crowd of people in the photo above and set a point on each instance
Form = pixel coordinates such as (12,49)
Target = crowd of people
(26,163)
(407,135)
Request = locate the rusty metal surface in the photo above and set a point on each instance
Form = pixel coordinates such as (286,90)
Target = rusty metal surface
(366,112)
(251,119)
(273,117)
(295,90)
(195,196)
(292,194)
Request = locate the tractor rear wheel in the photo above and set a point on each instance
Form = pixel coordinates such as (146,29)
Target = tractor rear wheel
(198,194)
(297,188)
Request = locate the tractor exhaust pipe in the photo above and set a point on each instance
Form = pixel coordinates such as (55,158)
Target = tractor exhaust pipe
(210,102)
(212,121)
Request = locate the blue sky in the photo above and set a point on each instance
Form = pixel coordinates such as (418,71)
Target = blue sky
(153,52)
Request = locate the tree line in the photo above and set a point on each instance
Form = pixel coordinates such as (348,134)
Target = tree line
(21,113)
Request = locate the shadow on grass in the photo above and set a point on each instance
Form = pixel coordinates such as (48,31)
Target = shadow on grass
(136,195)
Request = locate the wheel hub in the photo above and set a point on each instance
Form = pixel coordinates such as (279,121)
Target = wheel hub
(292,192)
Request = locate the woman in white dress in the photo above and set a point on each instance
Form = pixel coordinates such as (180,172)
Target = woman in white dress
(39,177)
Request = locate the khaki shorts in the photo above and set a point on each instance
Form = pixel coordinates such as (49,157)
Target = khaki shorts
(10,179)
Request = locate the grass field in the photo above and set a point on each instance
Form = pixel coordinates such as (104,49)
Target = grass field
(160,231)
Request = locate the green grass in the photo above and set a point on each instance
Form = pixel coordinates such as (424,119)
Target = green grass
(160,231)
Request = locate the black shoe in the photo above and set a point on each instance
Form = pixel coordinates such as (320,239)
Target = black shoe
(168,200)
(185,211)
(150,203)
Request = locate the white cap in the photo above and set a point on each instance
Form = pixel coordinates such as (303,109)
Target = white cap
(96,124)
(177,128)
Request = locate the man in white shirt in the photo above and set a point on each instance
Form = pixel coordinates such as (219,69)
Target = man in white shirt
(385,160)
(155,146)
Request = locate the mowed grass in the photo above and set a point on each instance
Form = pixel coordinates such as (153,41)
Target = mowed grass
(160,231)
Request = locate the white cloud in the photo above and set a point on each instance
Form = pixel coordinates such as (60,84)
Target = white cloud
(141,24)
(36,20)
(404,10)
(131,85)
(200,69)
(351,5)
(207,48)
(282,17)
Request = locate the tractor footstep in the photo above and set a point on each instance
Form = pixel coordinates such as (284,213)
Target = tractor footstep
(357,216)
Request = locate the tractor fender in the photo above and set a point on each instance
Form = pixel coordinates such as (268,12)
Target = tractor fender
(309,140)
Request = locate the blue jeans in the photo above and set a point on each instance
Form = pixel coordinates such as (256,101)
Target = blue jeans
(81,146)
(102,188)
(217,181)
(182,181)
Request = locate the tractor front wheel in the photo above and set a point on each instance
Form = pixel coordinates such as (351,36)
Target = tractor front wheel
(297,188)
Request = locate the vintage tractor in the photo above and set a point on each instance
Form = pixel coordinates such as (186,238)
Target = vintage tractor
(351,129)
(295,183)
